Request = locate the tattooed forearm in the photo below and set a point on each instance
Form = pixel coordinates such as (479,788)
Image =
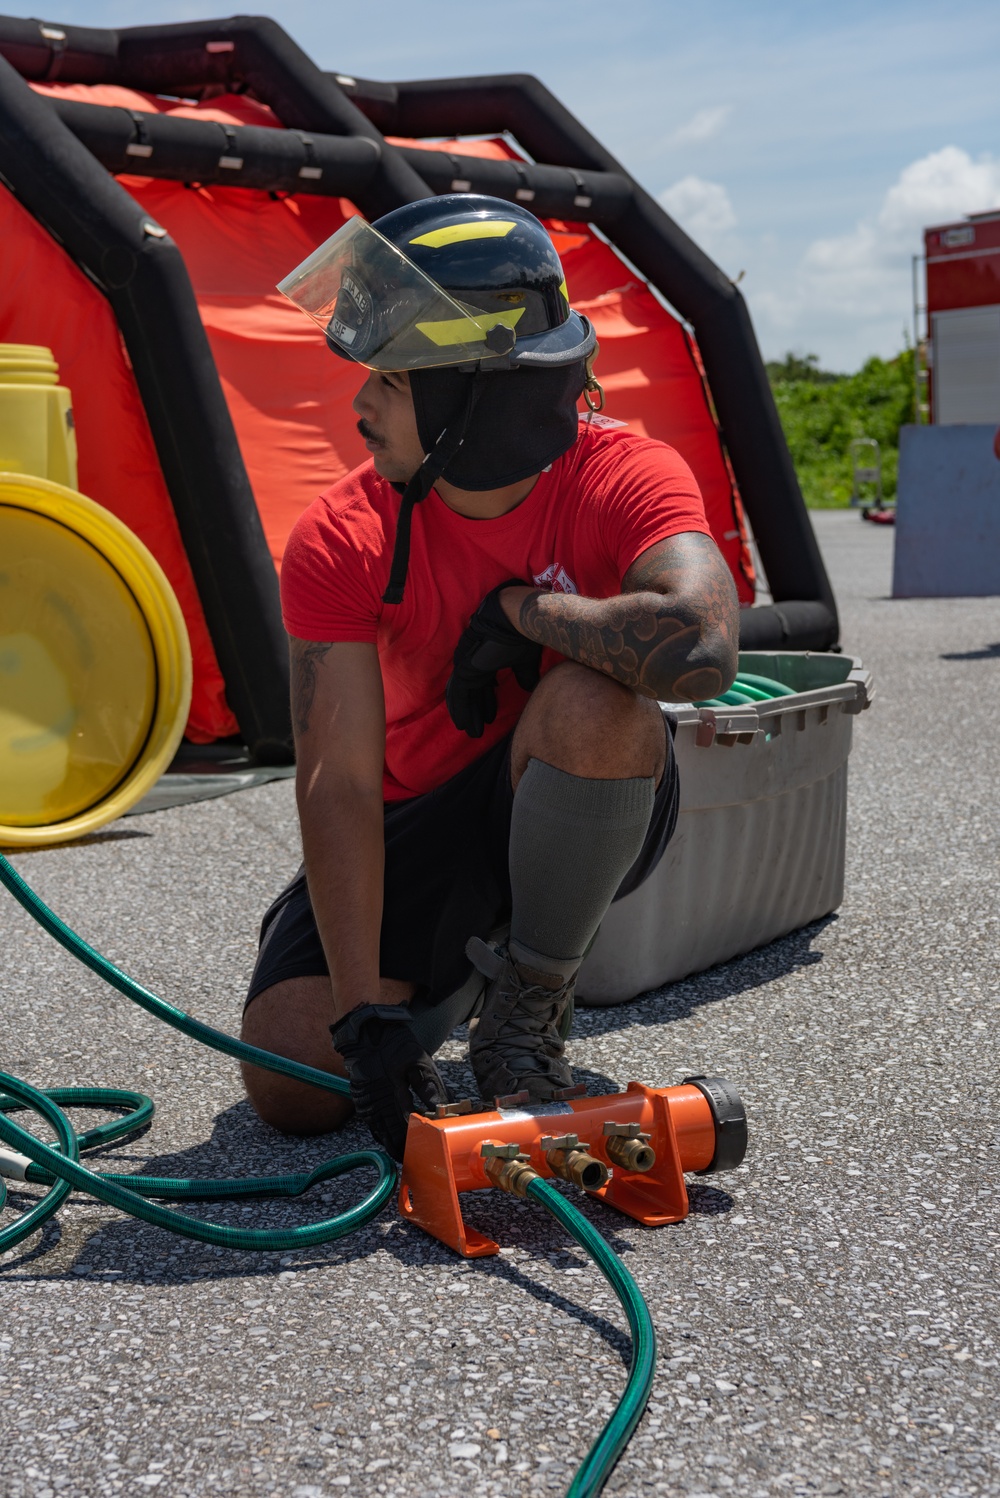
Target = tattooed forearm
(672,634)
(639,640)
(306,655)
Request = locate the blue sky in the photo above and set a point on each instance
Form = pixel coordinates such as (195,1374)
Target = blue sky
(805,144)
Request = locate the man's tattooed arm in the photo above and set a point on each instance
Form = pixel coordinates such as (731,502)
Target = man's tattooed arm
(306,657)
(672,633)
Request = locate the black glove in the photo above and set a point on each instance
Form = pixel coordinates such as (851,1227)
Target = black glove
(386,1066)
(489,643)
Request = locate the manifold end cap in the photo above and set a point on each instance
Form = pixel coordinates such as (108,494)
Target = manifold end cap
(730,1118)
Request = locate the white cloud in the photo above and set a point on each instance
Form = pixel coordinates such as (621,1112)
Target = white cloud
(701,208)
(945,185)
(861,270)
(704,125)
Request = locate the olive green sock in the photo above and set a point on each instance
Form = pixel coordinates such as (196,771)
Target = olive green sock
(572,841)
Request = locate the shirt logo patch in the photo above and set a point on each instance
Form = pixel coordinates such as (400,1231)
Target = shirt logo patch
(604,423)
(556,579)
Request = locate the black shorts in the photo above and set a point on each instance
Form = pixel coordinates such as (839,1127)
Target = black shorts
(446,879)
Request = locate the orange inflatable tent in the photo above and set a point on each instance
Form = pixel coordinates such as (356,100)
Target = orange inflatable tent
(287,401)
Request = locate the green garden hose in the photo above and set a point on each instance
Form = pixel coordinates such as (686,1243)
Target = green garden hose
(59,1168)
(62,1169)
(159,1008)
(596,1466)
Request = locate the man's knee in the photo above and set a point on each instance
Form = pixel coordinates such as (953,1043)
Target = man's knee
(590,725)
(292,1019)
(294,1107)
(580,692)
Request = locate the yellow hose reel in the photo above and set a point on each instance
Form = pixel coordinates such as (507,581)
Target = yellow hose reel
(95,665)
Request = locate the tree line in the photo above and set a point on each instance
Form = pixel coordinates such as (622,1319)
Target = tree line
(822,412)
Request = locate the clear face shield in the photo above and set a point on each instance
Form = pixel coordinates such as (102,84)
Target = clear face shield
(376,307)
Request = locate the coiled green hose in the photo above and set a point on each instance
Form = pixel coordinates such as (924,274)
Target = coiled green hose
(748,688)
(59,1168)
(63,1168)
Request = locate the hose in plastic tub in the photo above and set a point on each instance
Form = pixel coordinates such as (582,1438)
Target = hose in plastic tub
(766,685)
(748,687)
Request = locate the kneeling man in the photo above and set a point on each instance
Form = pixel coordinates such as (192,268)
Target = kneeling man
(483,620)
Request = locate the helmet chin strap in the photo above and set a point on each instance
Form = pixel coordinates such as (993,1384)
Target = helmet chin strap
(421,484)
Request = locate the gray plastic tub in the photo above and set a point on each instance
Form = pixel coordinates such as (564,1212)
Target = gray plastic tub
(759,846)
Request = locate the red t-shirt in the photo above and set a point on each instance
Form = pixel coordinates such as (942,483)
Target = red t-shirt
(596,509)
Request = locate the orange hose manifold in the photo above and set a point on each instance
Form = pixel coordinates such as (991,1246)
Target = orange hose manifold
(670,1130)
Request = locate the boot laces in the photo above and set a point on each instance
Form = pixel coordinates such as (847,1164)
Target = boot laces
(534,1010)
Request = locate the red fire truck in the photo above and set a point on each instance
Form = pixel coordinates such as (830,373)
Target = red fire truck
(963,312)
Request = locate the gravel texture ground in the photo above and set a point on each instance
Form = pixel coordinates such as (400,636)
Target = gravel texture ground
(827,1315)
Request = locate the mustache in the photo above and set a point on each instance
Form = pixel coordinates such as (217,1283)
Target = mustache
(368,432)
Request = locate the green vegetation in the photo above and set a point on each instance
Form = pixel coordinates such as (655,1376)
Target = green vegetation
(822,413)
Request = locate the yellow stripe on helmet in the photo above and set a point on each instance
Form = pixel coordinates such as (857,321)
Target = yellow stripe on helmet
(459,330)
(488,228)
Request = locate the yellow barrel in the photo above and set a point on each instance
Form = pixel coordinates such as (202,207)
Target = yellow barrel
(36,415)
(95,665)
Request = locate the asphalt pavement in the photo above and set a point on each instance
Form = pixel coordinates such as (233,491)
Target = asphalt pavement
(827,1315)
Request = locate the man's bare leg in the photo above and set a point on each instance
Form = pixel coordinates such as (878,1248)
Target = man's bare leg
(293,1019)
(589,725)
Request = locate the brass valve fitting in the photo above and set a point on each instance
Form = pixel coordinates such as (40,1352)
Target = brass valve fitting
(628,1147)
(568,1158)
(508,1168)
